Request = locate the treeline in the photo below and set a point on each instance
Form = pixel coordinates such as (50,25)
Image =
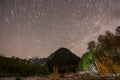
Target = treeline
(63,60)
(19,67)
(105,53)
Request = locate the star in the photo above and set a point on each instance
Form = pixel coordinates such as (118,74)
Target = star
(39,27)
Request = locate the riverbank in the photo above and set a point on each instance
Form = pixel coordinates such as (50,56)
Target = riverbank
(70,77)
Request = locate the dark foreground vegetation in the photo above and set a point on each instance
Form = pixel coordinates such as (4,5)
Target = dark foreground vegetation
(103,54)
(19,67)
(62,61)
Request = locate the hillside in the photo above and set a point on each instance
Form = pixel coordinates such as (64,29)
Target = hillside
(64,59)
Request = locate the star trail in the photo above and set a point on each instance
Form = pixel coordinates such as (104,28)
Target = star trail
(31,28)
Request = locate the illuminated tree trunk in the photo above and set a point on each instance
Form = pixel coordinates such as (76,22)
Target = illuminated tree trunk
(55,73)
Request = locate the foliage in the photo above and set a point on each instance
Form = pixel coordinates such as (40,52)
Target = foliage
(19,67)
(64,59)
(105,53)
(44,70)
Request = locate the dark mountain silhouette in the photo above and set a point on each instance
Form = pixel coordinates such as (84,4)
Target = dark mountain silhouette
(64,59)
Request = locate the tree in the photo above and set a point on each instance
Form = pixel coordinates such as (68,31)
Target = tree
(44,70)
(91,45)
(55,73)
(118,30)
(105,53)
(103,70)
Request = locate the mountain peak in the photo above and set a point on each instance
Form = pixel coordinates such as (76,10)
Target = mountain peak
(62,50)
(61,58)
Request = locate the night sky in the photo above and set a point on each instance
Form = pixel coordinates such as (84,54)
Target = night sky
(31,28)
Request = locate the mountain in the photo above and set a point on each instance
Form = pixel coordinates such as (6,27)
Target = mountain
(64,59)
(36,60)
